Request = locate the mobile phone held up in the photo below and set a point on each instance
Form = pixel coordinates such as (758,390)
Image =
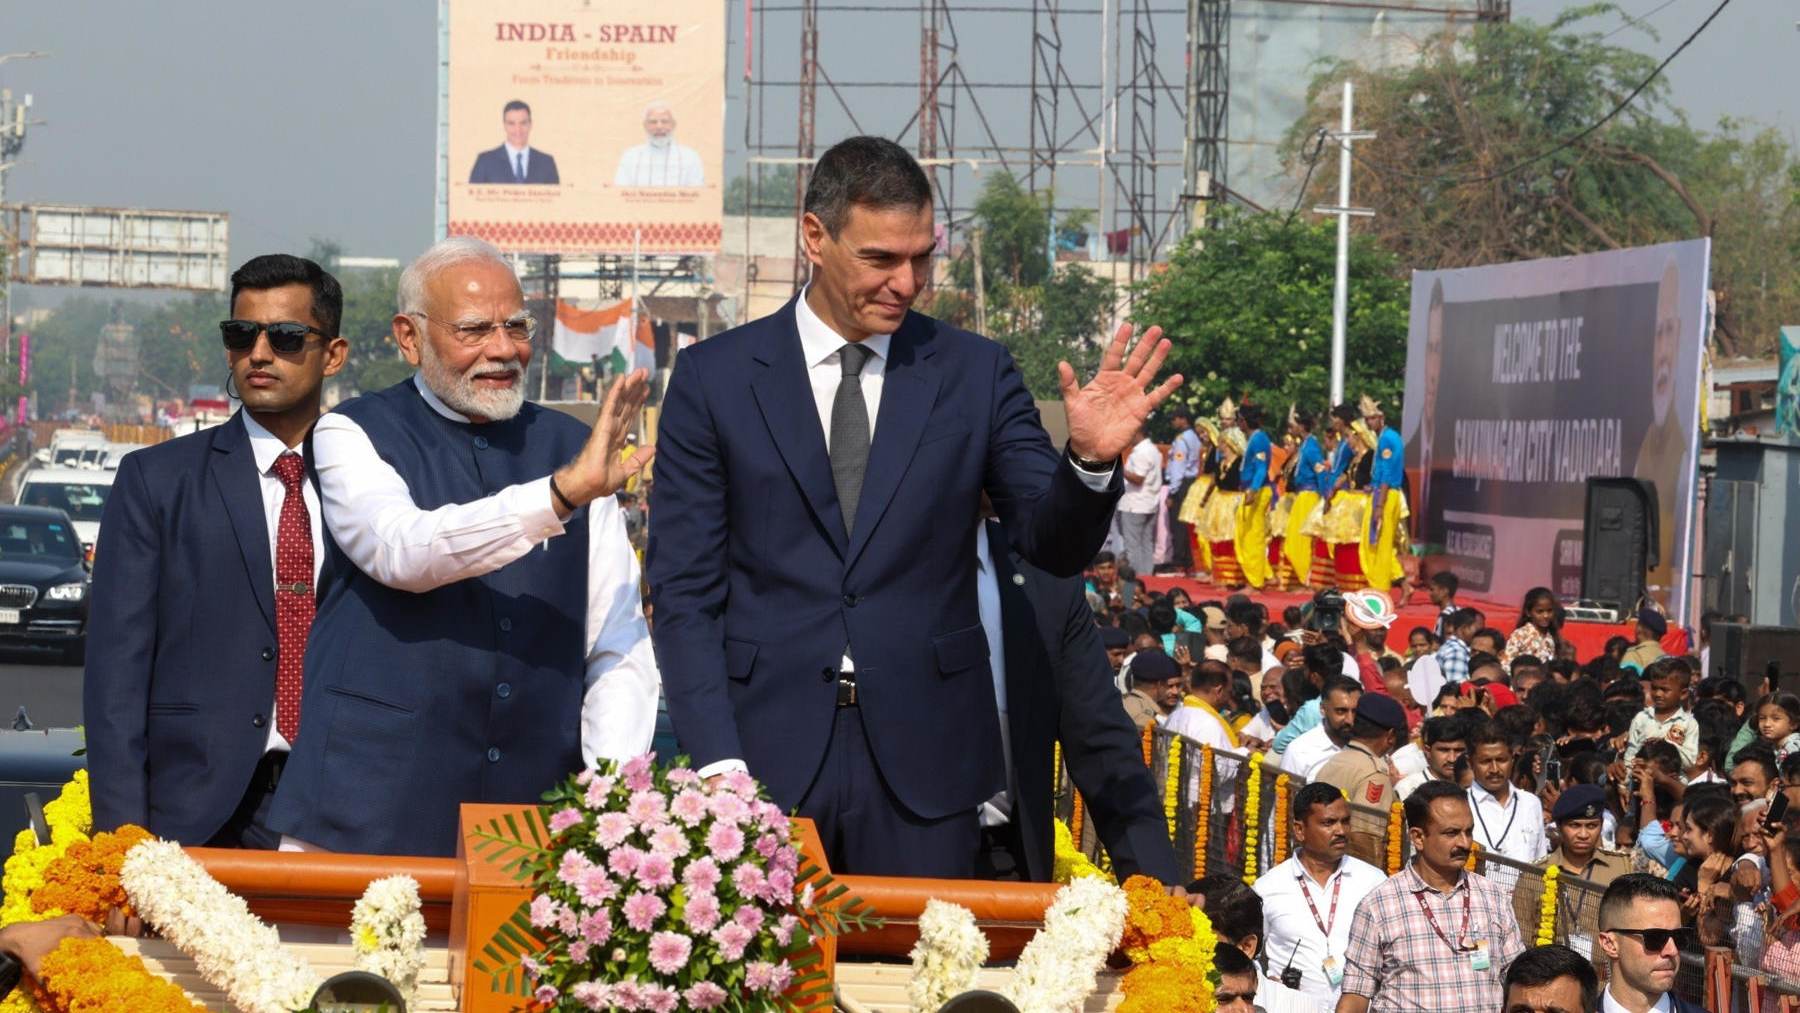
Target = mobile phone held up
(1772,820)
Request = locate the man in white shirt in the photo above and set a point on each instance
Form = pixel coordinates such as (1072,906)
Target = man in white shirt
(1202,722)
(1337,711)
(659,161)
(461,549)
(1137,507)
(1642,935)
(1508,822)
(1308,899)
(1444,740)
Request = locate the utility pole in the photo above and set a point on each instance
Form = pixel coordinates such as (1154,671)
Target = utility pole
(12,141)
(1340,297)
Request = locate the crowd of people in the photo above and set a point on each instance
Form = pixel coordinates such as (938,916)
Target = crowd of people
(1321,503)
(1665,791)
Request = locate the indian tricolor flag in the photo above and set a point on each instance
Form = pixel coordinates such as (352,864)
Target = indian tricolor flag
(606,333)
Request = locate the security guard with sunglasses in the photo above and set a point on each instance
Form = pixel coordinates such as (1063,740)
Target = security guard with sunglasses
(202,597)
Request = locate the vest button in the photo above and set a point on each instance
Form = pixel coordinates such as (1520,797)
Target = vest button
(503,690)
(505,625)
(493,754)
(268,654)
(480,443)
(258,721)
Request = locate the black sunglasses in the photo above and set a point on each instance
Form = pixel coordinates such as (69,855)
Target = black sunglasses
(286,337)
(1657,940)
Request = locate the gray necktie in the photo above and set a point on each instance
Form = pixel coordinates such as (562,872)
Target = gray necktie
(519,167)
(850,433)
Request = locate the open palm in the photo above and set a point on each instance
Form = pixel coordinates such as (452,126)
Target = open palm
(1104,416)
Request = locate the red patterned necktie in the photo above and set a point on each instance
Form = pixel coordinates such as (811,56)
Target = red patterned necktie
(293,593)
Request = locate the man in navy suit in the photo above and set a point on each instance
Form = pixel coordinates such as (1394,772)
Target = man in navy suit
(1039,625)
(816,498)
(516,161)
(203,583)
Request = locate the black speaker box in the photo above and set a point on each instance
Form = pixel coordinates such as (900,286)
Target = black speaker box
(1619,540)
(1747,653)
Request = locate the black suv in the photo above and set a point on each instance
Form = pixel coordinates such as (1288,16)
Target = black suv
(43,581)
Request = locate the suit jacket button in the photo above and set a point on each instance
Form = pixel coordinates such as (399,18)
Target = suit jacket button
(493,754)
(481,443)
(258,721)
(268,654)
(503,690)
(828,674)
(506,626)
(849,601)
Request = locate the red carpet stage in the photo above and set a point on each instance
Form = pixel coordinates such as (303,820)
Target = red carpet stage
(1589,638)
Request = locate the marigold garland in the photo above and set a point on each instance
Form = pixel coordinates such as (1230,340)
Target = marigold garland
(1075,815)
(84,974)
(1474,856)
(1546,931)
(1280,817)
(84,880)
(1396,827)
(1172,784)
(70,817)
(1171,948)
(1149,736)
(1202,812)
(1252,815)
(1070,863)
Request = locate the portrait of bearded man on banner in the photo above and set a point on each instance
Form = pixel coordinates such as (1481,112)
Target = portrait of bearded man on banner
(1664,445)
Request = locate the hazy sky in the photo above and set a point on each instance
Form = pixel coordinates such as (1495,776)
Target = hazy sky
(316,119)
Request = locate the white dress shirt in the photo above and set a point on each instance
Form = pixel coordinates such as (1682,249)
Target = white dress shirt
(1610,1005)
(1308,752)
(1514,830)
(518,160)
(1140,497)
(670,165)
(265,447)
(1291,935)
(373,518)
(1409,759)
(1198,724)
(997,810)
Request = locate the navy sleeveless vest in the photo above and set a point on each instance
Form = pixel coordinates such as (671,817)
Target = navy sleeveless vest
(472,692)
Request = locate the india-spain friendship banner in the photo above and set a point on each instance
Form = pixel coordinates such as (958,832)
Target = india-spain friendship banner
(578,127)
(1523,381)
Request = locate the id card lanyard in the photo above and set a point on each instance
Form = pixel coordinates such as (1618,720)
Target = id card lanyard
(1324,924)
(1462,944)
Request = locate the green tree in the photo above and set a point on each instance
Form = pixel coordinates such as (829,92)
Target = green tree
(1063,319)
(774,191)
(1250,304)
(1470,165)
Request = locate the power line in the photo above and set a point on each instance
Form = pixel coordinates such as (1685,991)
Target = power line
(1312,162)
(1638,22)
(1569,141)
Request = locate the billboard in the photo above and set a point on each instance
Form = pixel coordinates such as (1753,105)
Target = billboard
(1787,386)
(1524,380)
(583,128)
(73,244)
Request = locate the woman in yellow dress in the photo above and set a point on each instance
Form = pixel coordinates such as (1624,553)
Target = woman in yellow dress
(1219,525)
(1346,518)
(1281,516)
(1193,505)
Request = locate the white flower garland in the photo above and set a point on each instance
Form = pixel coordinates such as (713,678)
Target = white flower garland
(388,932)
(1058,970)
(235,951)
(950,950)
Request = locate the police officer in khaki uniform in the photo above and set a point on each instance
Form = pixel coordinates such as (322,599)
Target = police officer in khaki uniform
(1364,774)
(1578,814)
(1157,686)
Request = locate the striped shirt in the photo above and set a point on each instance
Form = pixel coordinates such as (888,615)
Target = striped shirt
(1400,962)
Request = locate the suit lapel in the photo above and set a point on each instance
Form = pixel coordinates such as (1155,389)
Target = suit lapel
(909,387)
(234,475)
(784,395)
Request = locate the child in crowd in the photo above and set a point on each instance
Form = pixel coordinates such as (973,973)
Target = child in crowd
(1540,619)
(1778,723)
(1667,717)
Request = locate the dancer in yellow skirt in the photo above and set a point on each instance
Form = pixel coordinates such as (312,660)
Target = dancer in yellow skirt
(1346,514)
(1308,470)
(1250,536)
(1385,538)
(1193,505)
(1218,524)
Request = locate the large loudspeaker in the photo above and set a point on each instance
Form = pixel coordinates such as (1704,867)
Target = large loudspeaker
(1748,653)
(1620,539)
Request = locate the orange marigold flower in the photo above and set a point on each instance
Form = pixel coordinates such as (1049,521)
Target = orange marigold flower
(84,880)
(1162,988)
(93,974)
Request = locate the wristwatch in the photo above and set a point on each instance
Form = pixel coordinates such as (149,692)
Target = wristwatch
(1086,465)
(10,972)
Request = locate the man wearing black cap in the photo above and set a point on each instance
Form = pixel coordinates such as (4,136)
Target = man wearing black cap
(1156,688)
(1579,814)
(1651,627)
(1118,644)
(1363,772)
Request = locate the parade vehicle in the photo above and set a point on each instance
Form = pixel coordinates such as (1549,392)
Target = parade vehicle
(43,580)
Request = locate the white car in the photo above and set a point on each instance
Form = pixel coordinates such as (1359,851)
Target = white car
(115,452)
(75,491)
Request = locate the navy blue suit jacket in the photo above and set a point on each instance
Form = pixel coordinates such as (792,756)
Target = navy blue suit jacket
(181,647)
(1059,685)
(492,166)
(757,588)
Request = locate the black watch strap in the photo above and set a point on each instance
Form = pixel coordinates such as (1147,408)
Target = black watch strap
(10,972)
(1086,465)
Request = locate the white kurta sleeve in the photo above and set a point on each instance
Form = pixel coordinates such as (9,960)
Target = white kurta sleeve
(618,710)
